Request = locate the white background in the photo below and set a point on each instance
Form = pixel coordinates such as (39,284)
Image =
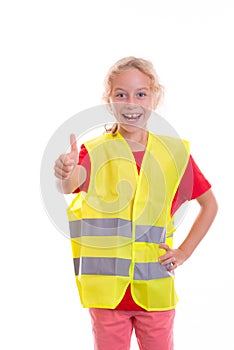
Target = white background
(54,56)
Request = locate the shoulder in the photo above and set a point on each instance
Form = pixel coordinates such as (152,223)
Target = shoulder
(176,148)
(98,140)
(169,140)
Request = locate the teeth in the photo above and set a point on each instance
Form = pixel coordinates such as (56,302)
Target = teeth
(132,116)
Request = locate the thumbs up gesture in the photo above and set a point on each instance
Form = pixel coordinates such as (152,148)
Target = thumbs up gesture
(66,163)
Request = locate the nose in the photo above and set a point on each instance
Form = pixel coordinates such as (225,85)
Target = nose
(131,102)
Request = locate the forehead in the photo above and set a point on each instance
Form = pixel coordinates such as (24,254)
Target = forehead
(130,80)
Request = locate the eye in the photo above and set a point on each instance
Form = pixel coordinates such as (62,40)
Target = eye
(141,94)
(121,95)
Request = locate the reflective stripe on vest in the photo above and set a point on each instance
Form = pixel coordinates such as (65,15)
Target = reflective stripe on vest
(101,227)
(120,267)
(117,226)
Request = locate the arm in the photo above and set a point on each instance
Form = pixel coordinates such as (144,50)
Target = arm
(201,225)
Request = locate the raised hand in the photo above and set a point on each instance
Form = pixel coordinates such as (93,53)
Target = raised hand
(65,163)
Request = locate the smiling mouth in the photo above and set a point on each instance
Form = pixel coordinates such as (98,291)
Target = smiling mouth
(132,116)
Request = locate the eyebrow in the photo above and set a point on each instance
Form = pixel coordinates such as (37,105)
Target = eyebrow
(118,89)
(142,88)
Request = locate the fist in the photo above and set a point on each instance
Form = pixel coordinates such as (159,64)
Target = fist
(65,163)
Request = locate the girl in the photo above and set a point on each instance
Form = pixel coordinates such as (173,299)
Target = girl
(130,183)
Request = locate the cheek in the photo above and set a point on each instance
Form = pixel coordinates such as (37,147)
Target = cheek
(115,109)
(148,104)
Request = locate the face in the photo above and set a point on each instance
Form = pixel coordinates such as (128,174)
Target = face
(131,99)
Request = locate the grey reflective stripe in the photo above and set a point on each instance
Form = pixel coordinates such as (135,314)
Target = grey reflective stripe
(105,266)
(150,234)
(100,227)
(171,235)
(120,267)
(76,265)
(75,227)
(150,271)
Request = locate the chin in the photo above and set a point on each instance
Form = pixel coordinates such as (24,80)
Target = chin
(131,128)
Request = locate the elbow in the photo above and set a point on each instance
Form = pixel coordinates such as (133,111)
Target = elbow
(213,204)
(215,207)
(209,203)
(212,207)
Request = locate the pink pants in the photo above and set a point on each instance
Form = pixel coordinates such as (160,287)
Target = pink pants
(112,329)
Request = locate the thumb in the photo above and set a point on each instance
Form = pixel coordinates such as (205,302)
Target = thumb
(73,144)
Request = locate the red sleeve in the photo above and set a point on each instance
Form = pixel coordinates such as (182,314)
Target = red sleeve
(193,184)
(84,160)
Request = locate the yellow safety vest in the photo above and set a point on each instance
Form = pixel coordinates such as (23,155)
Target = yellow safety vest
(117,226)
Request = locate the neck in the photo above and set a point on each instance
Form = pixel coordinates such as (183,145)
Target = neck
(137,140)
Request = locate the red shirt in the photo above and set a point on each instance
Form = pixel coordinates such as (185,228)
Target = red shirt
(192,185)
